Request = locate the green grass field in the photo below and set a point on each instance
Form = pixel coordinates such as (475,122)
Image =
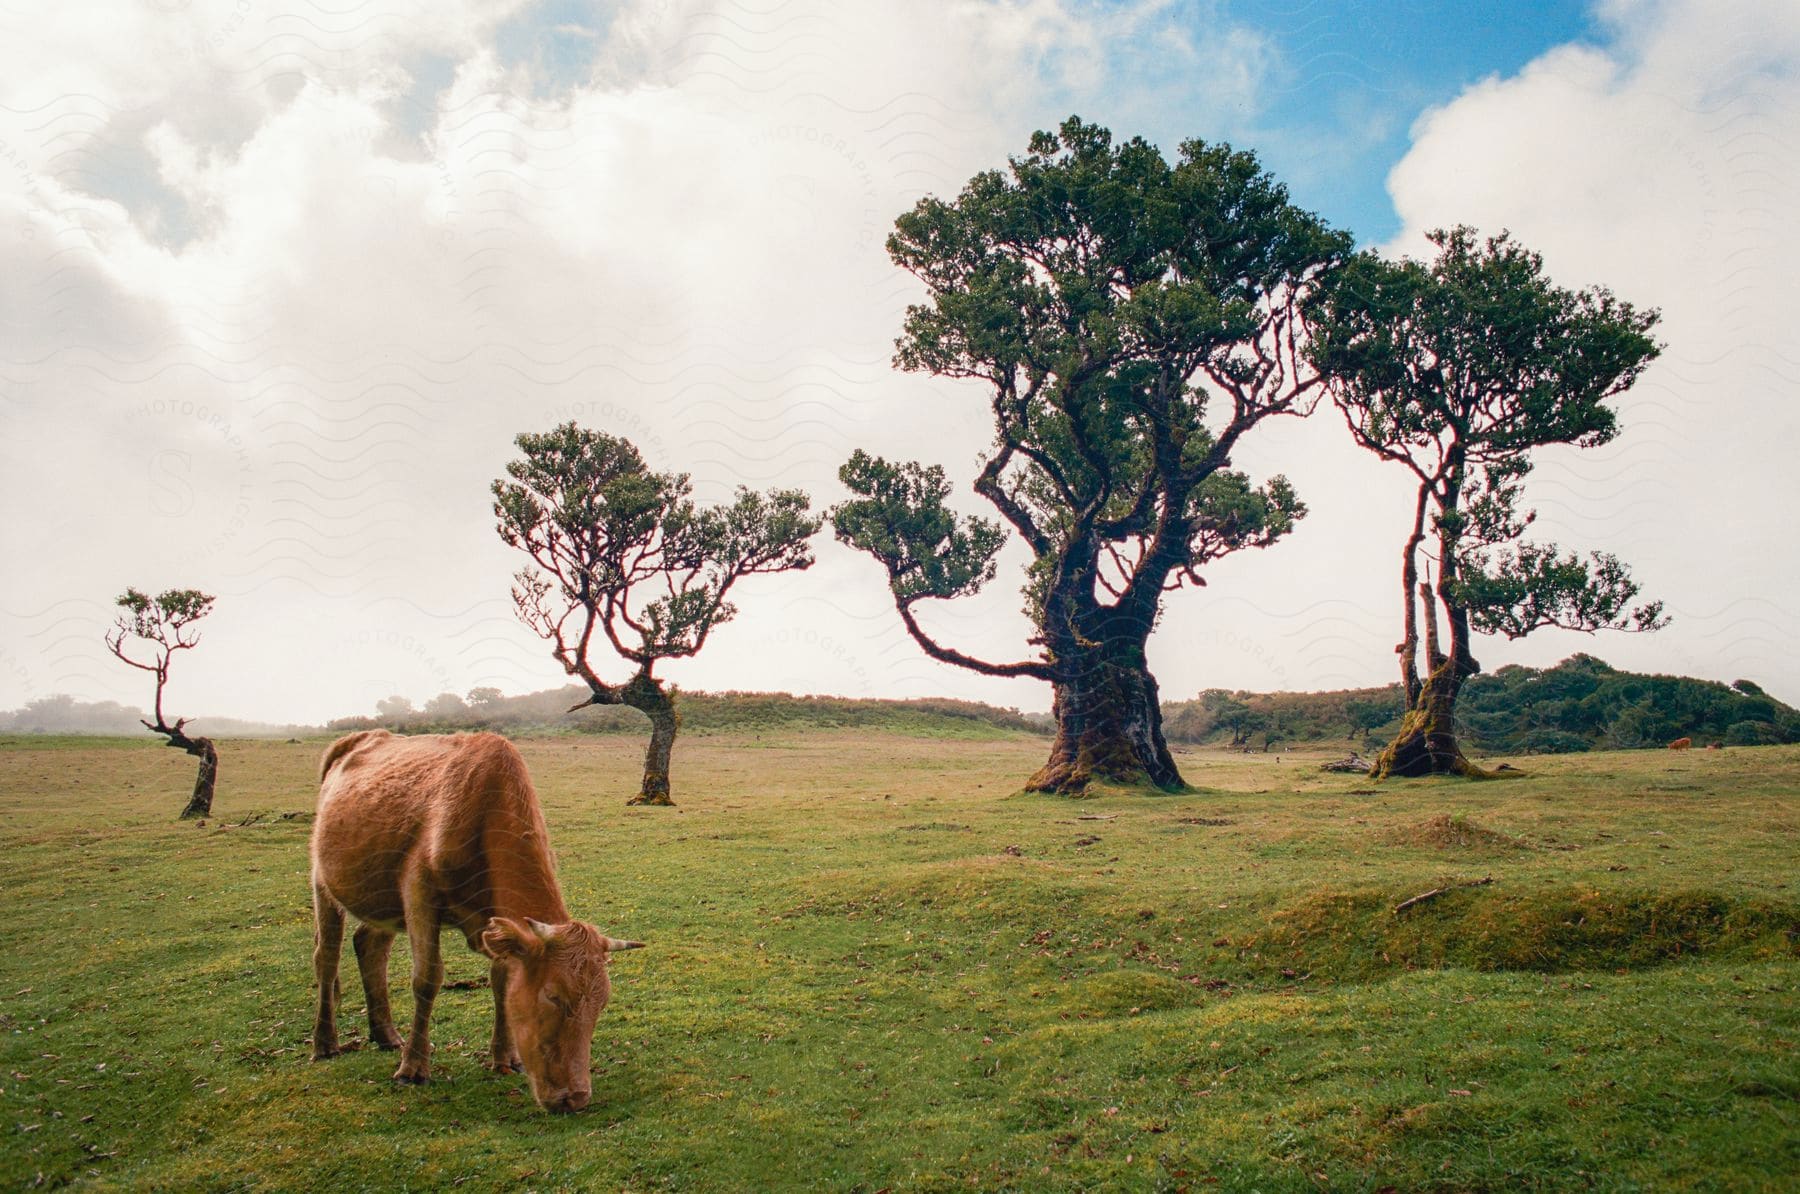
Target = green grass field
(873,965)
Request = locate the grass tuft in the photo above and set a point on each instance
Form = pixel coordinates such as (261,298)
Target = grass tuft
(1453,831)
(1358,935)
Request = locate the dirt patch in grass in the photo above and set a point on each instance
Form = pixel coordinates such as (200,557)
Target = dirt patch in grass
(1453,832)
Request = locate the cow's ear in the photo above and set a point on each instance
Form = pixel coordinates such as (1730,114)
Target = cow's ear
(504,937)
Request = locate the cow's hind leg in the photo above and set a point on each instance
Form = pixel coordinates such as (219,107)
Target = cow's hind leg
(505,1053)
(427,977)
(328,943)
(372,946)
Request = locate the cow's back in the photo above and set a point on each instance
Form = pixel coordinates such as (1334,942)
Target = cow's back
(424,808)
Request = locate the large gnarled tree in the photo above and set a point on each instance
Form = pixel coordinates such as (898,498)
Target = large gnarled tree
(1459,370)
(164,624)
(1131,319)
(620,553)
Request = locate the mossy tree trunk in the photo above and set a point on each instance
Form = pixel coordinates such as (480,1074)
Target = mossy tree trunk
(658,704)
(1427,742)
(1108,726)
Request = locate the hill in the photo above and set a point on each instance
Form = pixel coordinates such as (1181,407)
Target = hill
(1582,703)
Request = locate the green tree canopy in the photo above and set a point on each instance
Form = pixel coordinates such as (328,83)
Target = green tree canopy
(622,553)
(1459,369)
(1131,320)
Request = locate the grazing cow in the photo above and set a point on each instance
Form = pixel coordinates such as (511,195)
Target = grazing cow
(1681,744)
(445,829)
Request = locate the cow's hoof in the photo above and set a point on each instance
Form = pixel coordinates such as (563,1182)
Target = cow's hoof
(412,1075)
(389,1040)
(325,1052)
(507,1065)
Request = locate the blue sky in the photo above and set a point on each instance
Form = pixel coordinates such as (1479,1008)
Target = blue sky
(1355,66)
(1331,117)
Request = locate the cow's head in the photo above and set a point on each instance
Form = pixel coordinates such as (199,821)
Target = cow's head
(555,987)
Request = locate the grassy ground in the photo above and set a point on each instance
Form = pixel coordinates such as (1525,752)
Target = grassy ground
(875,966)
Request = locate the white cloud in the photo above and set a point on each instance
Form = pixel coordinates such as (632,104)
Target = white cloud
(276,348)
(274,307)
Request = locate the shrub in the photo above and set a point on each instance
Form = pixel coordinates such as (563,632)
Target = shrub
(1552,742)
(1752,733)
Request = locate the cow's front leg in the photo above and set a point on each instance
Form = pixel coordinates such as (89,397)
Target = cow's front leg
(505,1053)
(372,946)
(427,977)
(328,943)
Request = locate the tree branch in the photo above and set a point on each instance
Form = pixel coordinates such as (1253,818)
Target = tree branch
(989,485)
(1034,668)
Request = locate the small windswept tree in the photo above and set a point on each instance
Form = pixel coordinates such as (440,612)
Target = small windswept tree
(161,626)
(621,554)
(1459,370)
(1132,320)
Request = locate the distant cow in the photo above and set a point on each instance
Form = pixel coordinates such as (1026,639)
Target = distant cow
(1681,744)
(431,830)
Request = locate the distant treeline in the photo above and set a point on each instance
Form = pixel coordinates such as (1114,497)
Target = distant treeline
(1580,704)
(63,714)
(701,712)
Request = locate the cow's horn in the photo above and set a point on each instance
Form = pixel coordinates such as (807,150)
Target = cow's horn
(613,944)
(540,928)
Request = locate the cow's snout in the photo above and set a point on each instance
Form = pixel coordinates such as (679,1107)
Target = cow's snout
(568,1101)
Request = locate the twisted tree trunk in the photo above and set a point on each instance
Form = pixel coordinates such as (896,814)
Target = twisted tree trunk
(200,803)
(658,704)
(1108,726)
(647,695)
(1427,742)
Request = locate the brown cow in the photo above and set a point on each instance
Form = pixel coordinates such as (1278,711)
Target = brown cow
(1681,744)
(445,829)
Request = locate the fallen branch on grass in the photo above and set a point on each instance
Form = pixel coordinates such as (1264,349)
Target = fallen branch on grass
(1098,817)
(1435,892)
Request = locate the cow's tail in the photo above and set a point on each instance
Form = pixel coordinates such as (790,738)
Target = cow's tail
(334,754)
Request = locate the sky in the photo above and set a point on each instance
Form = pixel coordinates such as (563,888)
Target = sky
(280,282)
